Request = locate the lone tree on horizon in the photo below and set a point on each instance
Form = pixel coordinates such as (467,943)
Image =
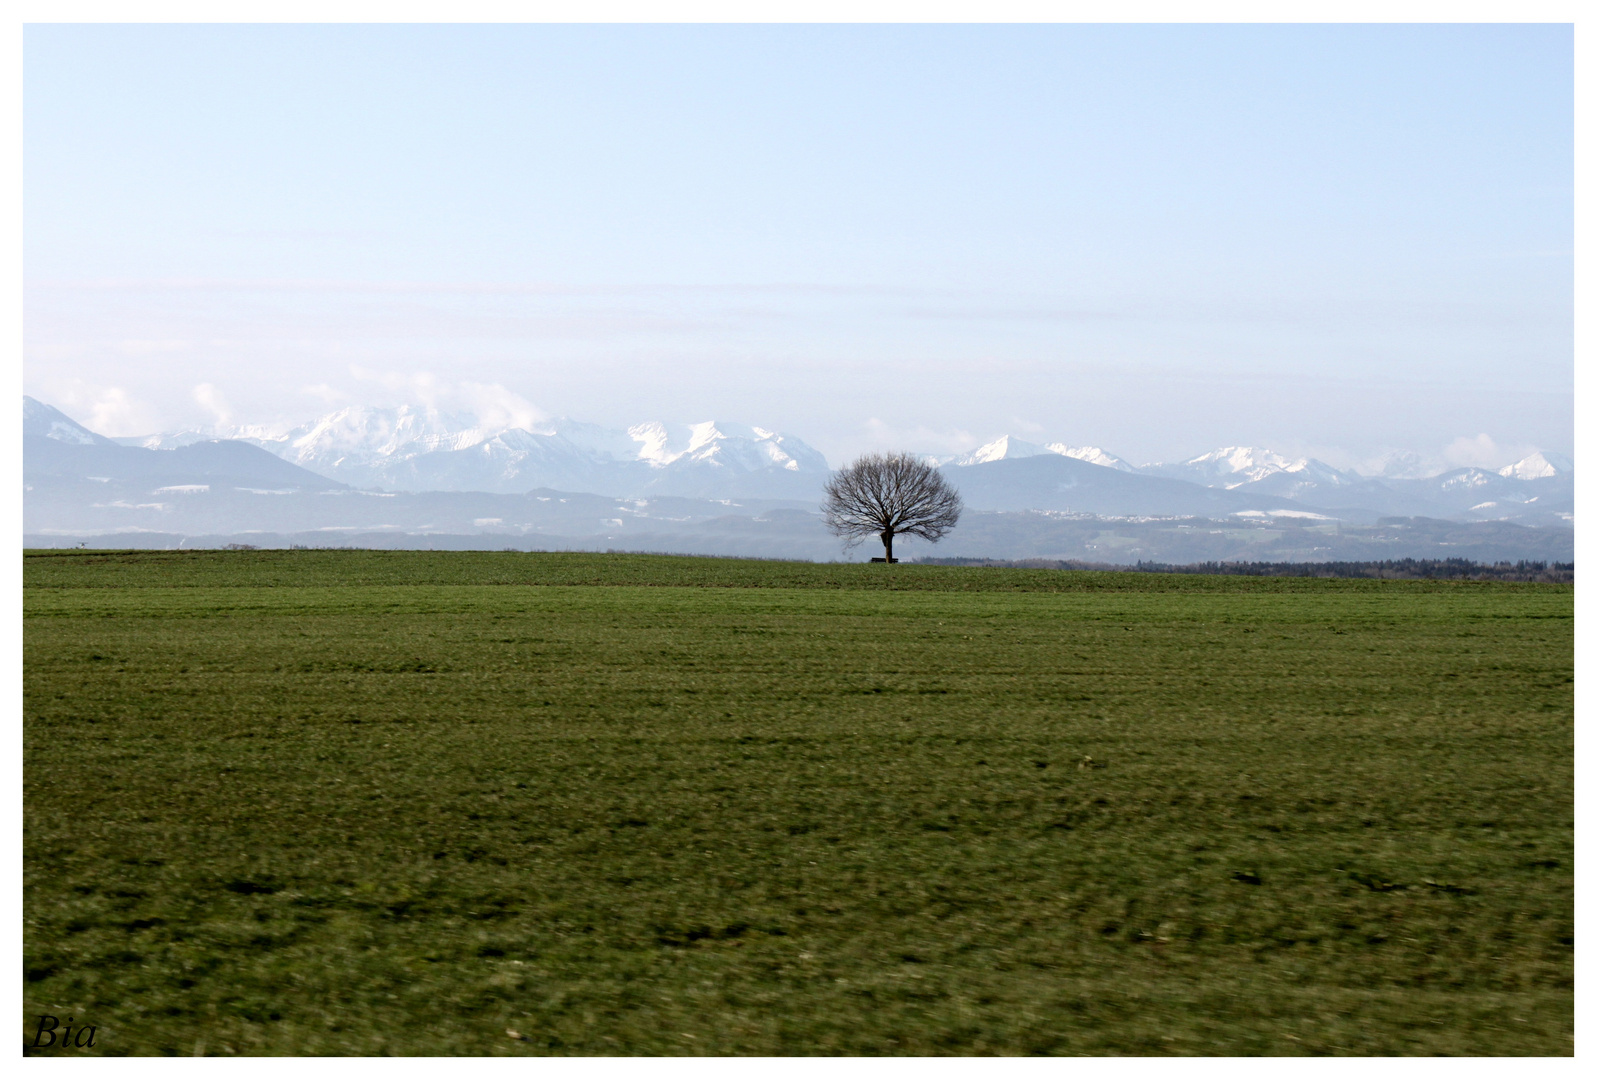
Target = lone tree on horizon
(890,495)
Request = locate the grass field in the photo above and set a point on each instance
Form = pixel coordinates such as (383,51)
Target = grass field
(321,802)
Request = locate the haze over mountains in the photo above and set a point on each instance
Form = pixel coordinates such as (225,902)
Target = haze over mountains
(417,471)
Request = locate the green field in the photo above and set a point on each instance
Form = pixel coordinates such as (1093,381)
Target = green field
(320,802)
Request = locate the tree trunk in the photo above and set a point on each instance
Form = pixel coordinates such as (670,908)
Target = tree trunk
(887,542)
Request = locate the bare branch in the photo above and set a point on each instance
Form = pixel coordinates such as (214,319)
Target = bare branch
(889,495)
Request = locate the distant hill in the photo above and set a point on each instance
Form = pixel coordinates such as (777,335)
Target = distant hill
(1052,481)
(57,450)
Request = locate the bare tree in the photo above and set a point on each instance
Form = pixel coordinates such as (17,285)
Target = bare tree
(890,495)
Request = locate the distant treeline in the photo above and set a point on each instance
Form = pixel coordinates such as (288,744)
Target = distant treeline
(1395,569)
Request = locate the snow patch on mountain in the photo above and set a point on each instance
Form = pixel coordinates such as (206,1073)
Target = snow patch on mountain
(360,436)
(1008,448)
(1092,455)
(1468,478)
(1003,448)
(734,446)
(1282,513)
(1233,466)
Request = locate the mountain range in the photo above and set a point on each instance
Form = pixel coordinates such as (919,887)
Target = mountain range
(1013,474)
(413,448)
(420,449)
(415,470)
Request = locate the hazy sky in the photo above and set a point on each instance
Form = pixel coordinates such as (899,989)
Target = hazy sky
(1157,239)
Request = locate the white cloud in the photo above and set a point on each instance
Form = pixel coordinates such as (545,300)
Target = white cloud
(326,394)
(113,413)
(495,406)
(491,404)
(1483,452)
(105,410)
(882,436)
(211,399)
(408,387)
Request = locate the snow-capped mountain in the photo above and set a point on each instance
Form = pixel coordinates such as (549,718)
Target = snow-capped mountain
(418,449)
(1403,465)
(734,446)
(41,421)
(346,437)
(413,448)
(1009,448)
(1003,448)
(1228,467)
(1538,466)
(1092,455)
(1536,490)
(63,459)
(1234,466)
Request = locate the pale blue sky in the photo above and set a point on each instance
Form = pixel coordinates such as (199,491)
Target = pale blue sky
(1156,238)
